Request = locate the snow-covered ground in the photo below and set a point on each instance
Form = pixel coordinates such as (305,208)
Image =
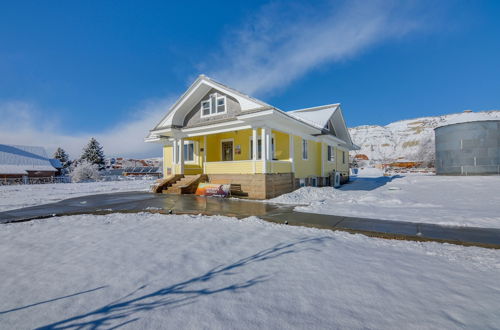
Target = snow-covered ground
(446,200)
(18,196)
(192,272)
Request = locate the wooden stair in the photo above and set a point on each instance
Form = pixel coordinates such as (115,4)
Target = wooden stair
(186,184)
(163,184)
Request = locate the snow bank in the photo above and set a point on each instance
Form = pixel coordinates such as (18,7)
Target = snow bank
(18,196)
(158,271)
(454,201)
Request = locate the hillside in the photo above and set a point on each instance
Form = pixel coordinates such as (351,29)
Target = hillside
(411,139)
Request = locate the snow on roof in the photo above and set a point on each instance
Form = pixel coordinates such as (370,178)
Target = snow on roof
(16,159)
(317,116)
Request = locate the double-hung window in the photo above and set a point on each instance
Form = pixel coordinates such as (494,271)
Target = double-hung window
(304,149)
(188,151)
(331,154)
(214,105)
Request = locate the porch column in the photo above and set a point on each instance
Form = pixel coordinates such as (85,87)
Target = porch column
(181,152)
(254,146)
(291,151)
(265,146)
(204,153)
(174,156)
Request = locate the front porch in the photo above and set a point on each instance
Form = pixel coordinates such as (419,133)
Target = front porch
(248,151)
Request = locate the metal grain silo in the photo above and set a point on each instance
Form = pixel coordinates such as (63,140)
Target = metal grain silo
(470,148)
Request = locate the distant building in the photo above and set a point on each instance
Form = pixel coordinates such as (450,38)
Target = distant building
(24,162)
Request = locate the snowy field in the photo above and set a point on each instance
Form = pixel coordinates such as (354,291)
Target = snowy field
(192,272)
(446,200)
(18,196)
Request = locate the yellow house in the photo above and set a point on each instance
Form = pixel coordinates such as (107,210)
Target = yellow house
(220,135)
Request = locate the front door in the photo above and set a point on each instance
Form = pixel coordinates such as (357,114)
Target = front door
(227,150)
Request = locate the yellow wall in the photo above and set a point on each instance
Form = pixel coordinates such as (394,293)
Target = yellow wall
(312,165)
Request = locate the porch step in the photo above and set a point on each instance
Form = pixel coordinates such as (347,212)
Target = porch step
(186,185)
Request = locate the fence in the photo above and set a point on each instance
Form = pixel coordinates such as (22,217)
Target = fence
(35,180)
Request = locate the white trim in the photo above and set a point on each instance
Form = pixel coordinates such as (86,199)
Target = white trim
(332,153)
(264,149)
(213,108)
(250,143)
(306,149)
(231,161)
(181,154)
(221,153)
(195,145)
(204,152)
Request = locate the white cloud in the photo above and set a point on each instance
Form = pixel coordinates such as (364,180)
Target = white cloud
(282,42)
(23,123)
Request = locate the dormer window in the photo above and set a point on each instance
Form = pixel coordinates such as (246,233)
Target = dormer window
(215,105)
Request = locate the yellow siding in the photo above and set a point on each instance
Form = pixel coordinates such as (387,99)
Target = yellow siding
(240,167)
(311,166)
(342,167)
(281,167)
(282,145)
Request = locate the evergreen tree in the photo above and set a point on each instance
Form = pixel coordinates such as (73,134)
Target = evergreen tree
(62,156)
(93,154)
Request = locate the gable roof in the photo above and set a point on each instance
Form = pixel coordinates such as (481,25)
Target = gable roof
(16,159)
(193,96)
(316,116)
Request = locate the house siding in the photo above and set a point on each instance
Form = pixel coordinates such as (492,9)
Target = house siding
(194,118)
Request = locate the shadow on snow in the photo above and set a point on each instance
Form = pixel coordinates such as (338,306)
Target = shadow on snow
(368,184)
(121,311)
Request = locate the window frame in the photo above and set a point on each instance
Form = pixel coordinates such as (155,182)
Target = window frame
(213,108)
(305,149)
(330,154)
(186,161)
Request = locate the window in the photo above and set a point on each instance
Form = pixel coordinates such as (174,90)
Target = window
(314,182)
(272,148)
(215,105)
(331,154)
(343,157)
(205,108)
(304,149)
(221,104)
(188,152)
(259,148)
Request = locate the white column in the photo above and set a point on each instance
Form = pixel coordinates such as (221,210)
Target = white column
(269,148)
(204,152)
(254,147)
(174,156)
(181,155)
(292,152)
(264,149)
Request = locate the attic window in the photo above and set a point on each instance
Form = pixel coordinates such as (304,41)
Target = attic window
(215,105)
(205,108)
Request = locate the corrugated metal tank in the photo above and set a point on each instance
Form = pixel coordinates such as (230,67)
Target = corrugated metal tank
(471,148)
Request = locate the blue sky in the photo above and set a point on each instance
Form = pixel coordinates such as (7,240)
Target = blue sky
(70,70)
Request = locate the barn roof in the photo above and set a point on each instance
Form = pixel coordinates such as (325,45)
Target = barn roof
(15,159)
